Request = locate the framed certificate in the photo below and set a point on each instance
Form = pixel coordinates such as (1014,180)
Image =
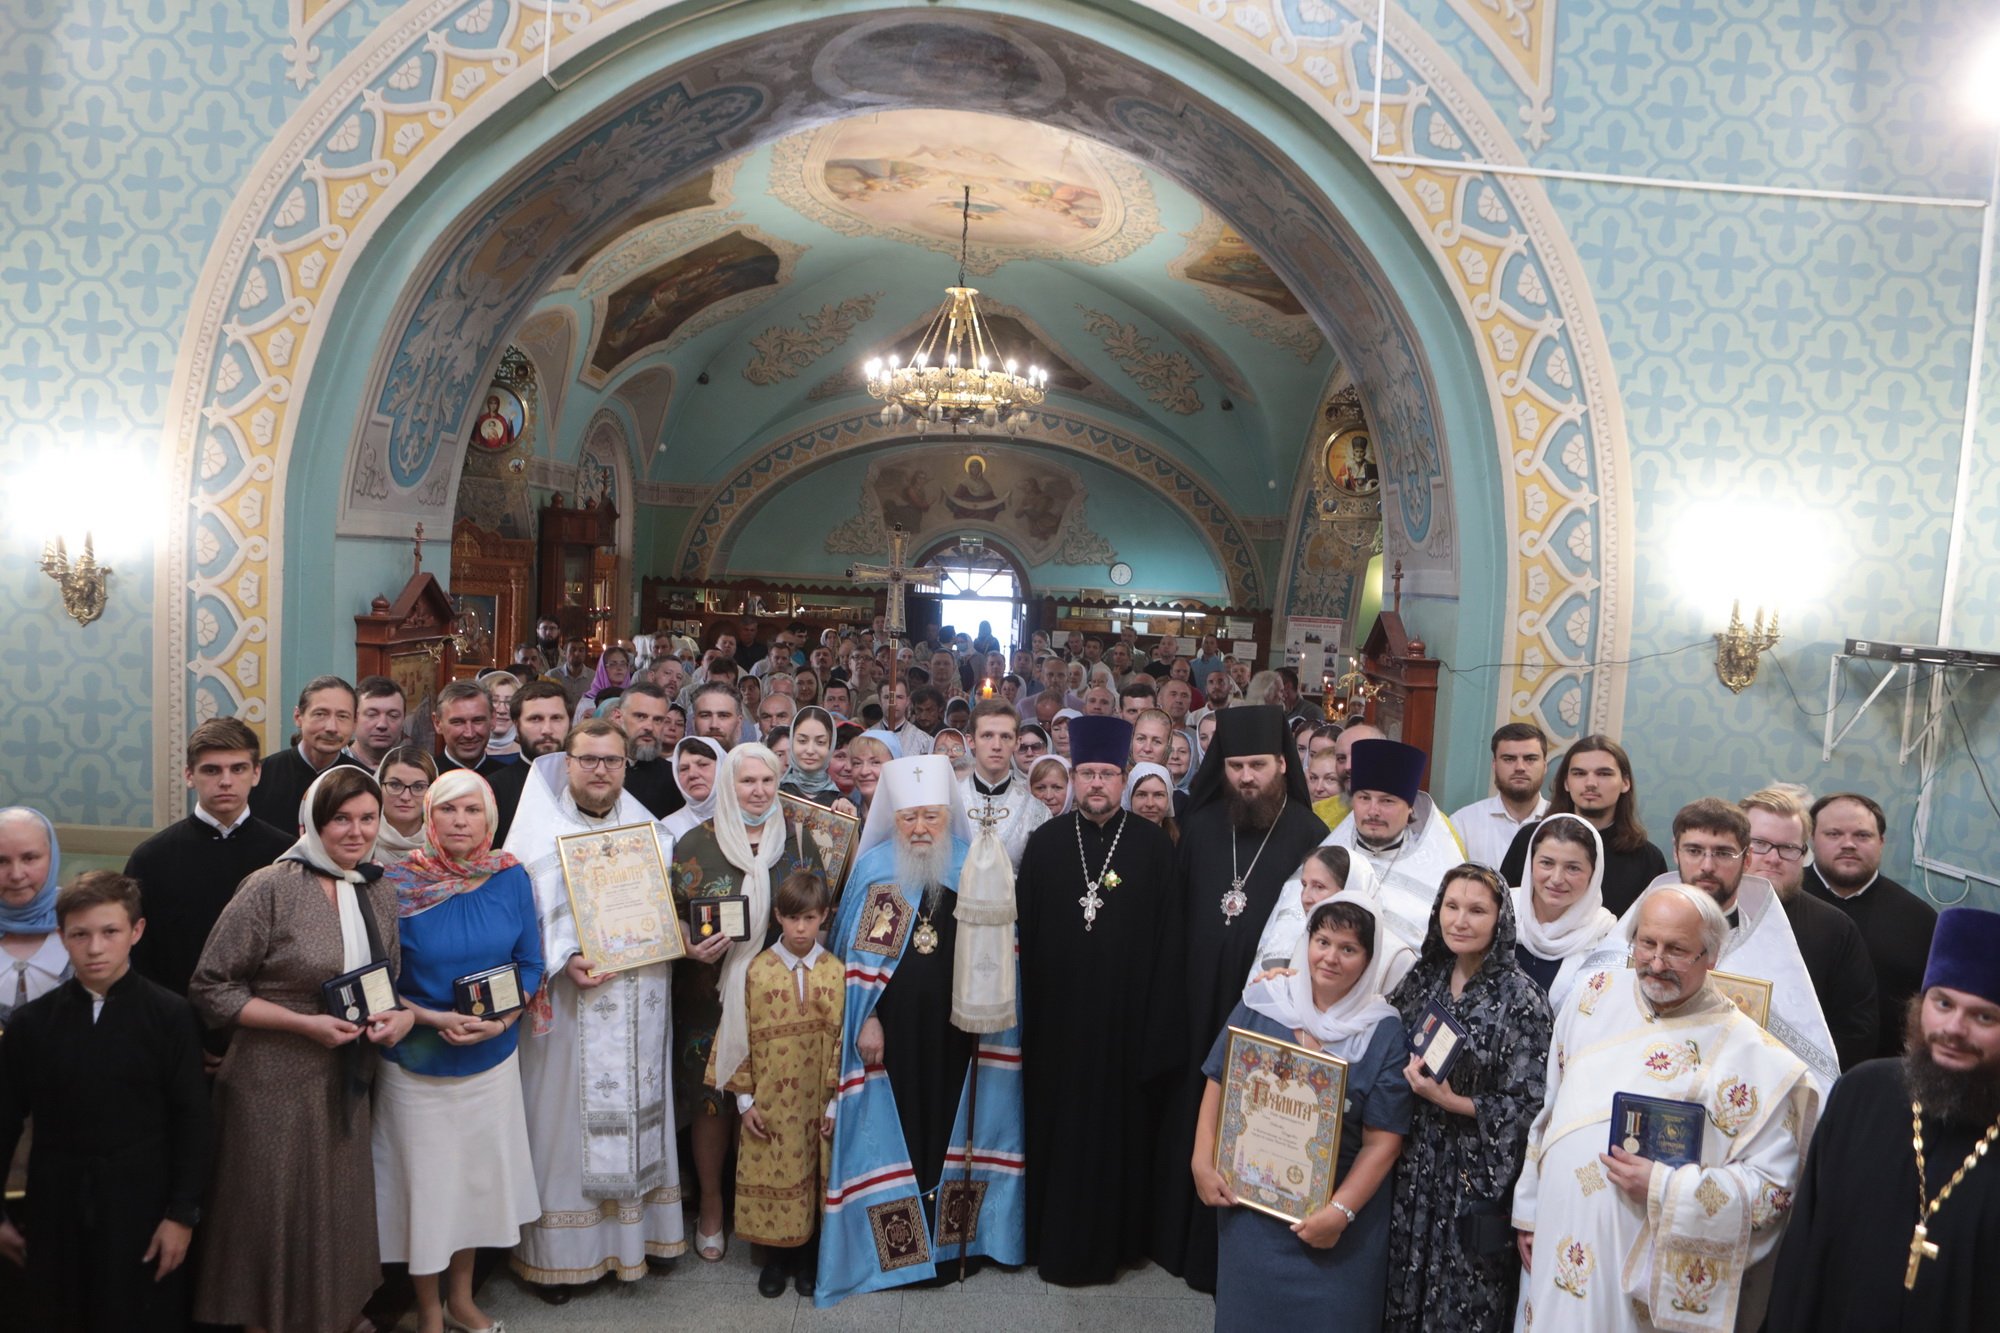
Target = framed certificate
(730,915)
(1438,1041)
(1278,1140)
(621,898)
(833,835)
(1661,1129)
(493,993)
(1750,994)
(358,996)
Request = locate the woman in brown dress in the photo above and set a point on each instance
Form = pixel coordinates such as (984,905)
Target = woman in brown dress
(290,1240)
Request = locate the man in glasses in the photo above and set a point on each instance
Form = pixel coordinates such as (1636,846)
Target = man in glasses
(1613,1238)
(603,1058)
(1836,954)
(1711,842)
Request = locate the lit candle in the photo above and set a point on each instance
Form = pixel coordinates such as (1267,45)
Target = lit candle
(986,688)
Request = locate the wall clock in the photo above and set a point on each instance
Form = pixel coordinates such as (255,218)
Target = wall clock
(1121,574)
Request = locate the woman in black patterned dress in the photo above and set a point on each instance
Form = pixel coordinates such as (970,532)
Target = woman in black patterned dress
(1466,1141)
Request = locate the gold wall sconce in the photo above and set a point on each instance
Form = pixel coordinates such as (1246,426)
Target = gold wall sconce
(83,580)
(1738,647)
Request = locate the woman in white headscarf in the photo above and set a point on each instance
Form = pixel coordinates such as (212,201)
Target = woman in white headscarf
(739,852)
(290,1236)
(1149,794)
(1559,913)
(1049,782)
(696,761)
(1332,1001)
(1325,871)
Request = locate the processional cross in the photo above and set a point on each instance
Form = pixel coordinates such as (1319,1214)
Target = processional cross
(898,577)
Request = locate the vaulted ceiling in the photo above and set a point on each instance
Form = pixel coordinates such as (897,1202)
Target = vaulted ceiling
(778,273)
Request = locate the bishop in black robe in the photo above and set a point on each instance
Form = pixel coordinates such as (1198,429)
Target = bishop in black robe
(187,873)
(122,1127)
(1214,950)
(1096,1056)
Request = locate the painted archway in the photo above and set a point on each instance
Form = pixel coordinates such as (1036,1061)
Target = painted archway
(396,212)
(706,547)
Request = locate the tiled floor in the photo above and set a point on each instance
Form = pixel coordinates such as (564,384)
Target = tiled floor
(722,1298)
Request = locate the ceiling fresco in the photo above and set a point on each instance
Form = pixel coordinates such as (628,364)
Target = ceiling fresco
(780,270)
(1036,192)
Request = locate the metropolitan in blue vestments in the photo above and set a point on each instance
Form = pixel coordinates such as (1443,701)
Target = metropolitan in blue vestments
(910,1188)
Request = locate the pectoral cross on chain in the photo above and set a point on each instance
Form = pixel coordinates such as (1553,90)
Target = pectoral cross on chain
(1090,903)
(1921,1248)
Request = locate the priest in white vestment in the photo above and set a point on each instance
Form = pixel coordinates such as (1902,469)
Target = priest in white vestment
(1611,1239)
(993,790)
(1394,827)
(596,1064)
(1711,847)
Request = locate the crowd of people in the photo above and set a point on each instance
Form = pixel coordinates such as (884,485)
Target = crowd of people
(994,1028)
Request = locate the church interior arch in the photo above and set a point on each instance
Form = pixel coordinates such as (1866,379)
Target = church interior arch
(479,247)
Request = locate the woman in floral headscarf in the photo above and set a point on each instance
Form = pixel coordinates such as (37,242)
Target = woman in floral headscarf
(452,1166)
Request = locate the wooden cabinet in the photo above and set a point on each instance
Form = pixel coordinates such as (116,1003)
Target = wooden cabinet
(490,575)
(1405,683)
(578,560)
(410,641)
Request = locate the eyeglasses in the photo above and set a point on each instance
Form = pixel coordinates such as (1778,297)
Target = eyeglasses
(1787,851)
(600,763)
(1676,954)
(397,787)
(1720,855)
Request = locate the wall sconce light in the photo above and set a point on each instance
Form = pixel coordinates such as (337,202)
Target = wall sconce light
(82,581)
(1738,647)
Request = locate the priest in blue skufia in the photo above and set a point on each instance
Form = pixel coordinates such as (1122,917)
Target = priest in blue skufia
(927,1140)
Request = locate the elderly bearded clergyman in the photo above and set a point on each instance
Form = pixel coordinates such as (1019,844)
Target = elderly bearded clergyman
(928,941)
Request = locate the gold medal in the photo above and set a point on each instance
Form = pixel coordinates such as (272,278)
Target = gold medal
(478,1008)
(926,938)
(707,929)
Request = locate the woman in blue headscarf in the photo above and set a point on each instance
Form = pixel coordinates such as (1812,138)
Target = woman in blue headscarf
(33,961)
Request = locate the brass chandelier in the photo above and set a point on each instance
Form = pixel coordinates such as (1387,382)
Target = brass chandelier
(955,376)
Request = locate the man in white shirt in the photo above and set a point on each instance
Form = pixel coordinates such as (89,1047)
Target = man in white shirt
(1520,763)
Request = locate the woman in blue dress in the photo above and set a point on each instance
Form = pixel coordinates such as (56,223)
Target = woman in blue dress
(452,1165)
(1331,1000)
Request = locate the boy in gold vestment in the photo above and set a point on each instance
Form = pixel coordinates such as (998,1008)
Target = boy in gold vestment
(795,993)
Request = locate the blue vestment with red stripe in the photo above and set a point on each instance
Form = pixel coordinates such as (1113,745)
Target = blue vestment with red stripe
(876,1233)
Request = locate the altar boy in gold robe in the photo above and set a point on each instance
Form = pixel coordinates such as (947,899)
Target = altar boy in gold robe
(795,995)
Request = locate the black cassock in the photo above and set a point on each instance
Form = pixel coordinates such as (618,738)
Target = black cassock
(122,1128)
(1841,1266)
(924,1055)
(187,874)
(1215,953)
(1097,1057)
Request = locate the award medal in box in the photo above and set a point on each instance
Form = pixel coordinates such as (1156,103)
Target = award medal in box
(1438,1041)
(357,996)
(1660,1129)
(494,993)
(728,914)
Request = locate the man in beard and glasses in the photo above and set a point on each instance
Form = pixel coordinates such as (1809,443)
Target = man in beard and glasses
(902,1203)
(1248,824)
(651,777)
(1863,1251)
